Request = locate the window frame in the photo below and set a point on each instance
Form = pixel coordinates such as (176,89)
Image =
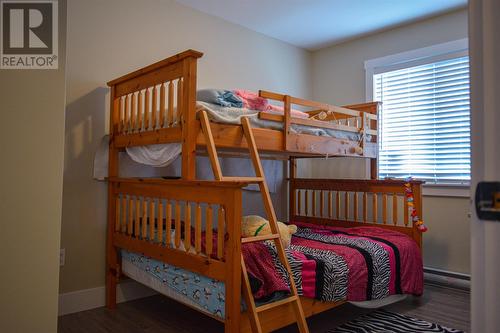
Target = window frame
(425,55)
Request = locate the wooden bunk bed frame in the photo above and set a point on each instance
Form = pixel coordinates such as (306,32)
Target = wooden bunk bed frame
(138,207)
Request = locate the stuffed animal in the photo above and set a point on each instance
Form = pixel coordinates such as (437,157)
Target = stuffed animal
(254,225)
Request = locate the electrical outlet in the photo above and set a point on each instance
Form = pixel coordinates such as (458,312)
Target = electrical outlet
(62,257)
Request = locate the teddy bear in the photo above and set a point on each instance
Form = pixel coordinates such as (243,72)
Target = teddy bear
(254,225)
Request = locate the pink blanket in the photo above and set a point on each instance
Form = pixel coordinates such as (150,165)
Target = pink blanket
(253,101)
(336,264)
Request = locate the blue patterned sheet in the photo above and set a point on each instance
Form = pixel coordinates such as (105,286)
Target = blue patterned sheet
(205,293)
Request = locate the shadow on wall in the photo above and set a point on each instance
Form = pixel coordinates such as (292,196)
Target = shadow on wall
(83,229)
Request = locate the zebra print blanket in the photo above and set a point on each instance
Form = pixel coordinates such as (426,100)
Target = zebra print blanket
(336,264)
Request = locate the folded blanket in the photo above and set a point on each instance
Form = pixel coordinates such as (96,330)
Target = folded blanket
(252,100)
(225,98)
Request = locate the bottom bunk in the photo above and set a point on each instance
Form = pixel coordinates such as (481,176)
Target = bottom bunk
(329,264)
(160,230)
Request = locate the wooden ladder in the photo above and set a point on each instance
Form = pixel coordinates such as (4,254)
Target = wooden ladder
(293,298)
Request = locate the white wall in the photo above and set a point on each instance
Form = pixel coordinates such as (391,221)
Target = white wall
(109,38)
(339,78)
(31,144)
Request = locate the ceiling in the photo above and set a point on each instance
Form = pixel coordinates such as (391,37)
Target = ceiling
(313,24)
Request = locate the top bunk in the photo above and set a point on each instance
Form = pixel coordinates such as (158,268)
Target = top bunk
(157,104)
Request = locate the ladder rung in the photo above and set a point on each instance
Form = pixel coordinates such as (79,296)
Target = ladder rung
(243,179)
(259,238)
(273,305)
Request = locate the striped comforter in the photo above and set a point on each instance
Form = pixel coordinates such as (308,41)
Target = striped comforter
(336,264)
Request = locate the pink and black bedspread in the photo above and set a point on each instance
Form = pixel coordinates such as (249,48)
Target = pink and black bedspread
(338,264)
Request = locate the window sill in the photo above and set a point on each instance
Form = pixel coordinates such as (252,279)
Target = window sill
(446,190)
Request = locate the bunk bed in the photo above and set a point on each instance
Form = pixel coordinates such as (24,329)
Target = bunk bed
(195,225)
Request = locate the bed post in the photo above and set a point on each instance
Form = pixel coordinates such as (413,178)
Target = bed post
(374,109)
(287,109)
(190,127)
(417,197)
(233,263)
(112,257)
(292,174)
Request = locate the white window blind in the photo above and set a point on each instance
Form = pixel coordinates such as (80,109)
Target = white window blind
(424,122)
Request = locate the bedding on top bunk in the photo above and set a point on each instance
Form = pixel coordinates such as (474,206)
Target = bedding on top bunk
(328,263)
(233,115)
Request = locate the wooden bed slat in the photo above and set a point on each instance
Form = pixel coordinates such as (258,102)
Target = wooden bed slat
(168,225)
(384,208)
(137,217)
(314,212)
(126,114)
(177,241)
(147,109)
(162,106)
(346,205)
(152,217)
(365,207)
(330,204)
(133,113)
(131,204)
(154,108)
(375,207)
(124,214)
(209,232)
(187,226)
(121,107)
(355,206)
(140,112)
(159,236)
(321,203)
(170,117)
(197,229)
(337,204)
(179,100)
(144,218)
(220,232)
(394,209)
(306,192)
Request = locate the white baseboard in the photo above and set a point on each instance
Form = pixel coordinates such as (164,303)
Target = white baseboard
(447,278)
(87,299)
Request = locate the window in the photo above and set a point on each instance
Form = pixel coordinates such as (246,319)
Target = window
(424,122)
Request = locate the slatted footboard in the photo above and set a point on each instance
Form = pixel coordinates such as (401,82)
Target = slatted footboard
(355,203)
(195,225)
(157,104)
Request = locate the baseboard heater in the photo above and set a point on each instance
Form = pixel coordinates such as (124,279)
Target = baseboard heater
(447,278)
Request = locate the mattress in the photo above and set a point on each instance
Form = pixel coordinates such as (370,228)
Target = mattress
(192,289)
(331,264)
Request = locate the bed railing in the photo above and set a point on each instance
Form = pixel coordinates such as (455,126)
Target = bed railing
(352,203)
(360,119)
(191,224)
